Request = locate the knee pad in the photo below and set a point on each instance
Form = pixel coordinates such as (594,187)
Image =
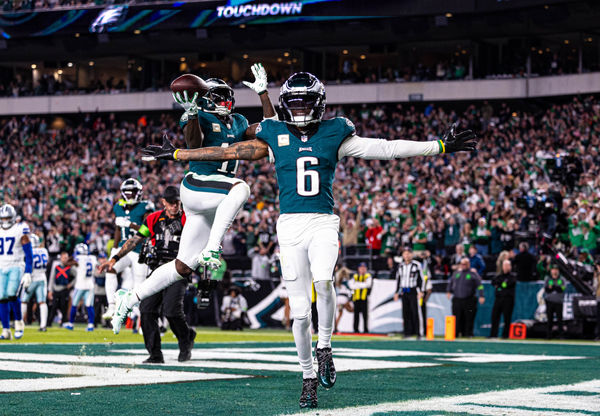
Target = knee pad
(299,307)
(324,288)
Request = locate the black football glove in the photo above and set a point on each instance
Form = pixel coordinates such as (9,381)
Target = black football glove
(164,152)
(465,141)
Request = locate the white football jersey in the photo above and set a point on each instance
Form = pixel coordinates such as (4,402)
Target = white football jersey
(11,250)
(85,272)
(40,262)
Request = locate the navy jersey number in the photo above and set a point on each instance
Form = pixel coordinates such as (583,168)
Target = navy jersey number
(89,269)
(7,243)
(307,181)
(40,261)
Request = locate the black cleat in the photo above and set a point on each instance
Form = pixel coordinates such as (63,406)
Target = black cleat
(186,353)
(308,398)
(326,372)
(154,360)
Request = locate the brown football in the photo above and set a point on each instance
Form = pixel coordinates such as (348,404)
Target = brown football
(190,83)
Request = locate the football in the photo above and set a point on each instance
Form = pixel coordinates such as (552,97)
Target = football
(190,83)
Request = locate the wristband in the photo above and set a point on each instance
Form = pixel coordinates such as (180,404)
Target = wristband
(175,154)
(262,92)
(116,257)
(442,146)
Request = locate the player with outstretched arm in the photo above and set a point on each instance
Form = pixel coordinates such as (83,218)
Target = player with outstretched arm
(305,150)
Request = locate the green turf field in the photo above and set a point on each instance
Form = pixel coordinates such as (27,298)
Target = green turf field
(256,373)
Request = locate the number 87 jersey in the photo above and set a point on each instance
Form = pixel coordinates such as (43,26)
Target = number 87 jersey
(305,163)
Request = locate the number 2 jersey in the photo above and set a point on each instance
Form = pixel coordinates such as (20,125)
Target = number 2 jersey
(135,213)
(40,263)
(85,272)
(305,164)
(11,250)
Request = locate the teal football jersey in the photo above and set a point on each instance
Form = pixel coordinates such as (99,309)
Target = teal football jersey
(305,165)
(135,214)
(217,133)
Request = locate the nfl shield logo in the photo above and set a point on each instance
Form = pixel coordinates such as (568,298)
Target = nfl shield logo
(304,138)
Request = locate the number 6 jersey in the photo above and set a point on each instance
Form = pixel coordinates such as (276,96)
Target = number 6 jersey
(305,163)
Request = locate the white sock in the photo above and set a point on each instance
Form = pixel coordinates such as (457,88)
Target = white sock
(110,284)
(161,278)
(43,315)
(226,213)
(23,310)
(325,311)
(303,340)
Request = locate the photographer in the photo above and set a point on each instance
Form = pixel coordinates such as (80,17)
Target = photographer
(164,228)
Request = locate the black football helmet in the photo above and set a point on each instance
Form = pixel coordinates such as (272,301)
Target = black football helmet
(131,190)
(219,98)
(302,99)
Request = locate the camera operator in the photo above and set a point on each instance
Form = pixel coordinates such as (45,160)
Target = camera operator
(164,228)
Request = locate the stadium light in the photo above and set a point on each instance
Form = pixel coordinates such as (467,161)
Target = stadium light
(33,66)
(137,31)
(182,59)
(345,51)
(77,35)
(91,63)
(363,57)
(245,56)
(448,15)
(242,26)
(70,64)
(286,54)
(60,72)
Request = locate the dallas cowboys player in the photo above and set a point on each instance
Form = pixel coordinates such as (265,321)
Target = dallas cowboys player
(130,212)
(210,193)
(38,286)
(306,150)
(84,285)
(14,248)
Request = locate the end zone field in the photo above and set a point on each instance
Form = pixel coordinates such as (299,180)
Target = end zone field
(256,373)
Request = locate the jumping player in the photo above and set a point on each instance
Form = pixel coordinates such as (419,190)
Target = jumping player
(210,193)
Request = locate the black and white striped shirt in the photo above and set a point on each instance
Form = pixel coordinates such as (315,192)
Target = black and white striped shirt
(409,276)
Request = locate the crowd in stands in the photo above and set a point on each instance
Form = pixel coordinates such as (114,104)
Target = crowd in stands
(44,5)
(64,180)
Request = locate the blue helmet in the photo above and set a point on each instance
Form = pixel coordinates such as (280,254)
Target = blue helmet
(8,216)
(302,99)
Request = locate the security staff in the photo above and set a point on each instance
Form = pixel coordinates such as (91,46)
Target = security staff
(409,279)
(464,284)
(554,293)
(164,228)
(361,284)
(504,285)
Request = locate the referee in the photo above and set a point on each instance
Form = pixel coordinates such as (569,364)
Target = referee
(409,279)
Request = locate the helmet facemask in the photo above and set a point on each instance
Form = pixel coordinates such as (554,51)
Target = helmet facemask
(8,216)
(302,99)
(131,190)
(219,99)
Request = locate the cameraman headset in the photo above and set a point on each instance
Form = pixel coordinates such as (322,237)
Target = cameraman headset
(164,230)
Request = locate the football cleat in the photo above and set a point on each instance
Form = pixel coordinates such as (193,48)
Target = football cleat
(68,326)
(210,259)
(326,372)
(308,398)
(124,301)
(107,316)
(43,329)
(90,328)
(19,329)
(6,334)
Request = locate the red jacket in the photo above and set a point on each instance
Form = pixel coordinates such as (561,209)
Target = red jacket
(373,236)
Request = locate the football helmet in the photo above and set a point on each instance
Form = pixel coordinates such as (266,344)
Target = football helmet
(131,189)
(35,240)
(219,98)
(81,249)
(8,216)
(302,99)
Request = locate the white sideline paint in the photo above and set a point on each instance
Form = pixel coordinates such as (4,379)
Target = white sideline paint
(79,376)
(517,402)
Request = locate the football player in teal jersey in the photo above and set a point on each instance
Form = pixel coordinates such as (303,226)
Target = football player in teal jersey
(210,193)
(130,212)
(306,150)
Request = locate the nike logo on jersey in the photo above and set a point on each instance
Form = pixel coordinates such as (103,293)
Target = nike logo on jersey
(305,149)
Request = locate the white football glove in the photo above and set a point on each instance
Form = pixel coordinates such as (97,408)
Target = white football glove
(260,79)
(26,280)
(122,222)
(189,105)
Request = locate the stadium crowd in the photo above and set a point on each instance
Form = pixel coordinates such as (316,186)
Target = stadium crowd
(64,179)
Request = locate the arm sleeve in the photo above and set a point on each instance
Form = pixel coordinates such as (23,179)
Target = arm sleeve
(367,148)
(395,270)
(28,257)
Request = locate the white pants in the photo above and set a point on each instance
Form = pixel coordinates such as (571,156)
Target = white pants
(200,196)
(309,251)
(138,272)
